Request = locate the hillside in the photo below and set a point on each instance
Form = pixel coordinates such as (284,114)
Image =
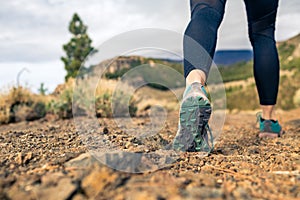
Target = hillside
(117,67)
(244,91)
(289,53)
(238,77)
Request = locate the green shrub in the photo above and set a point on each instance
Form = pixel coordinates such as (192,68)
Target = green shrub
(285,50)
(238,71)
(287,90)
(61,106)
(296,98)
(242,98)
(103,105)
(90,102)
(105,101)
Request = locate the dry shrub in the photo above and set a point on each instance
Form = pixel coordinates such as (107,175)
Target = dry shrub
(296,98)
(4,111)
(61,103)
(89,100)
(20,104)
(108,94)
(150,97)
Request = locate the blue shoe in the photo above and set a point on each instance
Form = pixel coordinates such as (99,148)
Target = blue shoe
(269,128)
(193,129)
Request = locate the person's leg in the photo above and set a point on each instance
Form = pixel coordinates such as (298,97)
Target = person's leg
(199,48)
(261,22)
(200,38)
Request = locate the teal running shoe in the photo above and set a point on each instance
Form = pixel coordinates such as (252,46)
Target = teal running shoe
(193,129)
(269,128)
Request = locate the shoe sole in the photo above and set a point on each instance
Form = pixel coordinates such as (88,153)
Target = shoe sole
(270,134)
(194,115)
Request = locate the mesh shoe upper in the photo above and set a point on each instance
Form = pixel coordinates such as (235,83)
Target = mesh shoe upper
(270,126)
(193,127)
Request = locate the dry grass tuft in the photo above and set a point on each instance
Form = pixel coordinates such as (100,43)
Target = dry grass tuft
(20,104)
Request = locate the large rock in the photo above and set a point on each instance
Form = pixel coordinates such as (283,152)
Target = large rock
(64,189)
(85,160)
(98,180)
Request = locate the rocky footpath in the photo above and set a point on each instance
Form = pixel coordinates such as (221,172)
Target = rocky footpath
(48,160)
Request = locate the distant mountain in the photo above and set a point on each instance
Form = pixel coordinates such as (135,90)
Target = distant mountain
(234,68)
(233,64)
(288,50)
(230,57)
(117,67)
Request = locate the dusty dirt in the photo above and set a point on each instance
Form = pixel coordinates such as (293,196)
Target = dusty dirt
(47,160)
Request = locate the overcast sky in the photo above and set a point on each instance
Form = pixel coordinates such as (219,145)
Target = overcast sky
(33,31)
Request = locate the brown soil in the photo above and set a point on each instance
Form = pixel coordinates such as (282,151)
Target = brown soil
(47,160)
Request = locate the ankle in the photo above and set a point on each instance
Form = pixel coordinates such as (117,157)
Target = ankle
(268,112)
(196,76)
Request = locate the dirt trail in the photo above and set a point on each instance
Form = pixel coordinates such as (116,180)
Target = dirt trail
(47,160)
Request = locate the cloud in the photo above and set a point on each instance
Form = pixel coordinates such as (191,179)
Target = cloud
(233,31)
(49,73)
(35,31)
(288,23)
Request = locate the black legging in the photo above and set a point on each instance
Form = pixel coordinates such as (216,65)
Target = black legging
(206,17)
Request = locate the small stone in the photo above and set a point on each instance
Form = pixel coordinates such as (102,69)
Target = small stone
(7,182)
(27,157)
(19,159)
(209,181)
(79,197)
(63,190)
(240,193)
(97,180)
(51,179)
(105,130)
(16,193)
(127,145)
(143,195)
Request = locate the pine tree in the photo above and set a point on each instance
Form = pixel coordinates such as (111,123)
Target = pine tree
(77,48)
(42,90)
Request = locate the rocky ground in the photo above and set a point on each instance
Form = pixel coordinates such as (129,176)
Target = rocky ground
(48,160)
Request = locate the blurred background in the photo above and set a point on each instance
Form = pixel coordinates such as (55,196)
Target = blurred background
(33,32)
(43,43)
